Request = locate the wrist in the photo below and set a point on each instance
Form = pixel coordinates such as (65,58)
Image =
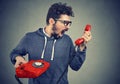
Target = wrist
(82,46)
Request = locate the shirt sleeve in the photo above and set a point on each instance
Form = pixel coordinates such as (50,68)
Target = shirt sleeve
(77,57)
(20,49)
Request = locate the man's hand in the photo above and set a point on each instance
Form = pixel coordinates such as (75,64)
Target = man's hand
(19,60)
(87,37)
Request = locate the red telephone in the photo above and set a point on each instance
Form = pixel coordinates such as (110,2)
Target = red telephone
(32,69)
(81,40)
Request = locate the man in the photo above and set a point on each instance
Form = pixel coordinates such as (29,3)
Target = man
(53,45)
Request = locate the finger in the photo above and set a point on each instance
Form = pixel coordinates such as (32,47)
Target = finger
(88,33)
(24,61)
(86,37)
(16,65)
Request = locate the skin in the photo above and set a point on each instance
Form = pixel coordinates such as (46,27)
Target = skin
(60,27)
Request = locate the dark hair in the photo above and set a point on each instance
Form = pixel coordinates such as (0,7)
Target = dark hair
(57,9)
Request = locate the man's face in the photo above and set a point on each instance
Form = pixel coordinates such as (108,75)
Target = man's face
(62,24)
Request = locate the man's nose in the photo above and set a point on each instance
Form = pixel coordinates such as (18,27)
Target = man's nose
(68,26)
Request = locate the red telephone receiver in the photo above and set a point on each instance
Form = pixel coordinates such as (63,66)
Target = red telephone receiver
(81,40)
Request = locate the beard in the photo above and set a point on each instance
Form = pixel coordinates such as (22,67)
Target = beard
(64,30)
(55,33)
(55,30)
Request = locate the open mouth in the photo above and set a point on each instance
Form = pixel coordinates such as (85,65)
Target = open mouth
(63,31)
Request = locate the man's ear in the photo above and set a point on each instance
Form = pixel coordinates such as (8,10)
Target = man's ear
(51,21)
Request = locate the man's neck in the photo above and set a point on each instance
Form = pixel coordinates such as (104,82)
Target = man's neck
(48,30)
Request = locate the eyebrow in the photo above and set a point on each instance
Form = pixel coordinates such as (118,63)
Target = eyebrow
(64,20)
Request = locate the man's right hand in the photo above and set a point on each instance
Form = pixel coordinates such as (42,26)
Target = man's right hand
(19,60)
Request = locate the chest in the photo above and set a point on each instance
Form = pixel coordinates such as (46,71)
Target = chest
(61,49)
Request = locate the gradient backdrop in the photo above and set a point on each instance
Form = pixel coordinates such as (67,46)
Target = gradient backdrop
(18,17)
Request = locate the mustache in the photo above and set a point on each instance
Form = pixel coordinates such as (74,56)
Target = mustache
(55,29)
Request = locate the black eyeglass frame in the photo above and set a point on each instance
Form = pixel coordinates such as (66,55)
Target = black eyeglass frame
(65,22)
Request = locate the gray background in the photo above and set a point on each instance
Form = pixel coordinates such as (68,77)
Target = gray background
(18,17)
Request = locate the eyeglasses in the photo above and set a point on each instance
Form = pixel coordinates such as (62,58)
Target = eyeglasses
(66,23)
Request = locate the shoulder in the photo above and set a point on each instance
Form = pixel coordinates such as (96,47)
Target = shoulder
(29,36)
(67,37)
(32,34)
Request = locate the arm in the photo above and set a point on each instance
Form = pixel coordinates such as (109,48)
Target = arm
(77,57)
(17,54)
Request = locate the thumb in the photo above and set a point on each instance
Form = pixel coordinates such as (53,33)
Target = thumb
(18,63)
(24,61)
